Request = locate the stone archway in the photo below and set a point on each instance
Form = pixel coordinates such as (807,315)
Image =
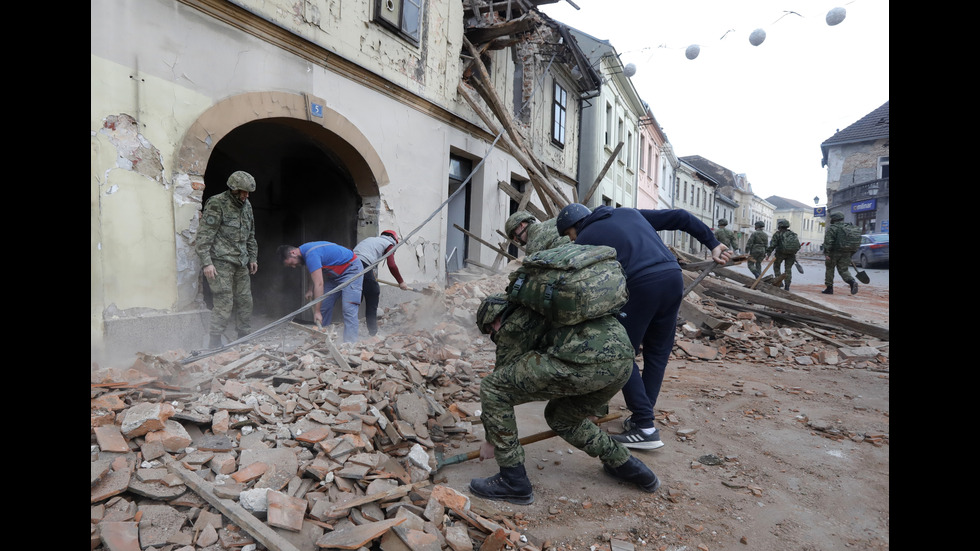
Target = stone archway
(332,133)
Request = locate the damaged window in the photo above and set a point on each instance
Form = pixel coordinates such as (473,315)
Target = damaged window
(403,16)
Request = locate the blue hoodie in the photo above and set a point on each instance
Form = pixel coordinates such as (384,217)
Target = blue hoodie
(633,233)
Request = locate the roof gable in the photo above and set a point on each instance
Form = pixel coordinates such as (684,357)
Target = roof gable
(872,126)
(784,203)
(718,173)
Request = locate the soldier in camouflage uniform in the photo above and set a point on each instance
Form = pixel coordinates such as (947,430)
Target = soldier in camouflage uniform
(834,257)
(756,246)
(776,244)
(523,228)
(576,368)
(725,235)
(228,251)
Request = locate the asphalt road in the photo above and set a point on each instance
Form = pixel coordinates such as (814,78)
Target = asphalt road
(814,269)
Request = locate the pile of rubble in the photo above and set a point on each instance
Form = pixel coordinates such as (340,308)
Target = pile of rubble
(324,446)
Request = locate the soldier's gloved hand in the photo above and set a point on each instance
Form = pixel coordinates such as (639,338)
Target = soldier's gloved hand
(486,450)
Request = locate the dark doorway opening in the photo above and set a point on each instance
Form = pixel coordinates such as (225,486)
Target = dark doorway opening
(304,192)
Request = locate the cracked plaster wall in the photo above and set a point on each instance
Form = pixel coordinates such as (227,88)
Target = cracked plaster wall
(153,80)
(853,164)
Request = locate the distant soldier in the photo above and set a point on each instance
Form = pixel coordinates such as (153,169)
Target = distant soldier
(838,246)
(756,246)
(725,235)
(228,251)
(525,229)
(786,244)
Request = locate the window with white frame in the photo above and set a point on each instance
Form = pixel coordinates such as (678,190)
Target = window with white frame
(882,167)
(609,122)
(643,155)
(401,16)
(559,110)
(629,150)
(620,134)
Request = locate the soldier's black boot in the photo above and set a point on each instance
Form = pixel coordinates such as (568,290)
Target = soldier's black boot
(215,341)
(829,290)
(635,471)
(243,332)
(510,484)
(854,286)
(786,286)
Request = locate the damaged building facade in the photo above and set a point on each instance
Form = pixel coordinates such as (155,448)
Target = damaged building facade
(353,117)
(857,171)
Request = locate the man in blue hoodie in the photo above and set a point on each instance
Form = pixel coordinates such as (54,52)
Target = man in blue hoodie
(656,288)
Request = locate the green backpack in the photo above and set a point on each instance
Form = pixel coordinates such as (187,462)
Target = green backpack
(571,283)
(790,243)
(851,238)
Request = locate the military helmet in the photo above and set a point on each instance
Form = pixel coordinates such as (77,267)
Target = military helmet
(241,181)
(837,217)
(491,307)
(515,220)
(722,222)
(760,224)
(782,223)
(571,215)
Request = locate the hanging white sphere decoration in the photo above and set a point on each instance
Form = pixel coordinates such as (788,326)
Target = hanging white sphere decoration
(757,37)
(629,70)
(692,51)
(835,16)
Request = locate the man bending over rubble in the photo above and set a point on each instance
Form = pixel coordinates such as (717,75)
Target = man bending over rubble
(576,368)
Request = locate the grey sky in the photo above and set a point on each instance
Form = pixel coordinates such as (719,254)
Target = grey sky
(760,110)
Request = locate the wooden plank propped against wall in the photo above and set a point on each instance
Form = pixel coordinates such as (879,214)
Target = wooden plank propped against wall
(551,197)
(527,205)
(493,247)
(602,173)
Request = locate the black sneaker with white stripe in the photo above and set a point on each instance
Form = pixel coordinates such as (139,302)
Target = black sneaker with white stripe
(634,438)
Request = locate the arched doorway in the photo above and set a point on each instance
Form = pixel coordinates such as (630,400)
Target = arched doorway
(316,179)
(304,192)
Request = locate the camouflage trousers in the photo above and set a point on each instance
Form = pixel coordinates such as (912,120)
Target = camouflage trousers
(231,290)
(573,392)
(755,264)
(789,259)
(841,262)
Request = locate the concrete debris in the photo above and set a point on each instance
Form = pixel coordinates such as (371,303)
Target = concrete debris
(285,447)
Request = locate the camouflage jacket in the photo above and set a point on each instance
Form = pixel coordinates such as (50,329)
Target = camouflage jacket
(726,237)
(544,235)
(757,242)
(594,341)
(227,231)
(776,243)
(834,238)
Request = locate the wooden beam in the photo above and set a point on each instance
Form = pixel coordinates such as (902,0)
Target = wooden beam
(767,289)
(514,150)
(337,356)
(259,530)
(758,297)
(595,185)
(521,199)
(538,173)
(484,34)
(492,246)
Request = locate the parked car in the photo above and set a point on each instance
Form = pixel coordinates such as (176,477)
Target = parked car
(873,251)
